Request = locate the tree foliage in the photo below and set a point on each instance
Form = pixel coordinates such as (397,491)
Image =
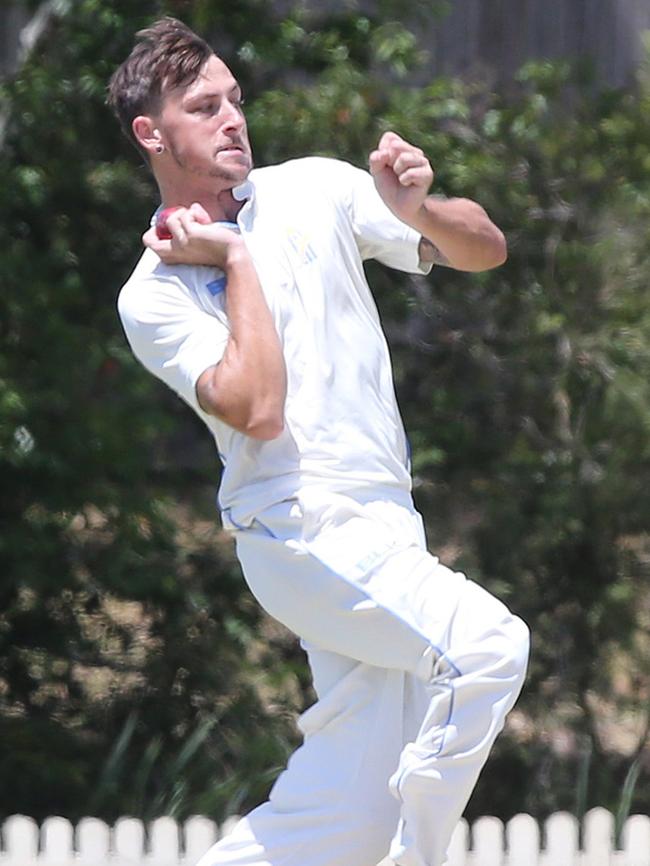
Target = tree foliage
(133,662)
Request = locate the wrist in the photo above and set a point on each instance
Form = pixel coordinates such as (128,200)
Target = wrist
(236,254)
(415,217)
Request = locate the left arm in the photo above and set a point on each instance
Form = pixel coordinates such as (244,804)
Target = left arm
(455,232)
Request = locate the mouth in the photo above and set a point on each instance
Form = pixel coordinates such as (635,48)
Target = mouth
(231,150)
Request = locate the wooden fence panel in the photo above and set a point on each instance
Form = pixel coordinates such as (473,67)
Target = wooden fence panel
(522,842)
(493,37)
(486,37)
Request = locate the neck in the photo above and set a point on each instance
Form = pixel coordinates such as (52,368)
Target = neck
(219,203)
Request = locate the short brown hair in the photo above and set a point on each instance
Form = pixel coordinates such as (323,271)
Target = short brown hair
(167,55)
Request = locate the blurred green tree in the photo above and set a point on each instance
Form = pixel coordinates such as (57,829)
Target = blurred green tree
(127,639)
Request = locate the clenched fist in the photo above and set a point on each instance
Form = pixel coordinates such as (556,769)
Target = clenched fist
(402,174)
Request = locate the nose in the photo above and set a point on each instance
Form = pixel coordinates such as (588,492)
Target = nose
(233,117)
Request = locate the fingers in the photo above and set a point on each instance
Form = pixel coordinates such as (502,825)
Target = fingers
(180,225)
(409,163)
(412,167)
(378,160)
(390,138)
(181,228)
(183,222)
(195,238)
(386,152)
(167,249)
(150,239)
(200,214)
(162,248)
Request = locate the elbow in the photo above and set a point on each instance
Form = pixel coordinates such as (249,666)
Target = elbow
(261,419)
(264,420)
(495,249)
(500,249)
(493,254)
(265,429)
(263,426)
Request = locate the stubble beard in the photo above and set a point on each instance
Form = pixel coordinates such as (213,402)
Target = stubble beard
(215,172)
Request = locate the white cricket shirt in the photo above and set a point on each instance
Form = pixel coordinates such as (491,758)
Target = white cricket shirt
(308,224)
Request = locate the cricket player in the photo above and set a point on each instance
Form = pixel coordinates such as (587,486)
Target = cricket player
(256,311)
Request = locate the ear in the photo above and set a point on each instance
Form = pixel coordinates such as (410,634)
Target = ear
(147,134)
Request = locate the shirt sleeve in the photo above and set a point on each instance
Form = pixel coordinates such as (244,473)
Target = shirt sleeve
(379,233)
(170,334)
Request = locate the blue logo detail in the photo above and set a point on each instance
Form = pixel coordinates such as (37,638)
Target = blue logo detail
(216,286)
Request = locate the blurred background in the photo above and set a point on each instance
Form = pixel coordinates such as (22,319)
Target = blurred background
(137,675)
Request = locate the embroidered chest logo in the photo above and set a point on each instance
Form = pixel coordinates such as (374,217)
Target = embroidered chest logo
(301,246)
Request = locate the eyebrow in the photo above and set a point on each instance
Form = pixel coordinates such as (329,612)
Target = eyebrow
(198,97)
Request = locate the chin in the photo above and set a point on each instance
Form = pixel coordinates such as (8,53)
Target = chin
(235,173)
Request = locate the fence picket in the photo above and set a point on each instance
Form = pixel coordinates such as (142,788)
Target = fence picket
(598,837)
(228,825)
(561,841)
(57,842)
(129,842)
(636,841)
(488,841)
(20,840)
(93,842)
(200,834)
(522,835)
(164,839)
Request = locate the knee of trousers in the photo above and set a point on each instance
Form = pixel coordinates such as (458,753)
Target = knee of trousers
(501,651)
(515,648)
(520,642)
(485,636)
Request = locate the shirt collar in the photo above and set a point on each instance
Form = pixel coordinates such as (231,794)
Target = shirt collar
(244,191)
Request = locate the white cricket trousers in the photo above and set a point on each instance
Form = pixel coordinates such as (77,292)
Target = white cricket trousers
(415,668)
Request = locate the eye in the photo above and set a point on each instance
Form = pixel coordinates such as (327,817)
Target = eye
(207,107)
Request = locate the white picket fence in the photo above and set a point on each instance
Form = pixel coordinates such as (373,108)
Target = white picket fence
(521,842)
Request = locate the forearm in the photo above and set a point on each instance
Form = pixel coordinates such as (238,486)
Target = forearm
(461,234)
(247,389)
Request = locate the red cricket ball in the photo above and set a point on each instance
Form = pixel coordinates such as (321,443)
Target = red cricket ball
(162,231)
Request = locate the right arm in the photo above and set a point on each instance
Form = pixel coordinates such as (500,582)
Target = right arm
(247,388)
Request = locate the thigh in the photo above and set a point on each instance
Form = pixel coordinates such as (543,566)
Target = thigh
(322,605)
(355,579)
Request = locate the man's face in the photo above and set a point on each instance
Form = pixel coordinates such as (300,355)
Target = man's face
(204,128)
